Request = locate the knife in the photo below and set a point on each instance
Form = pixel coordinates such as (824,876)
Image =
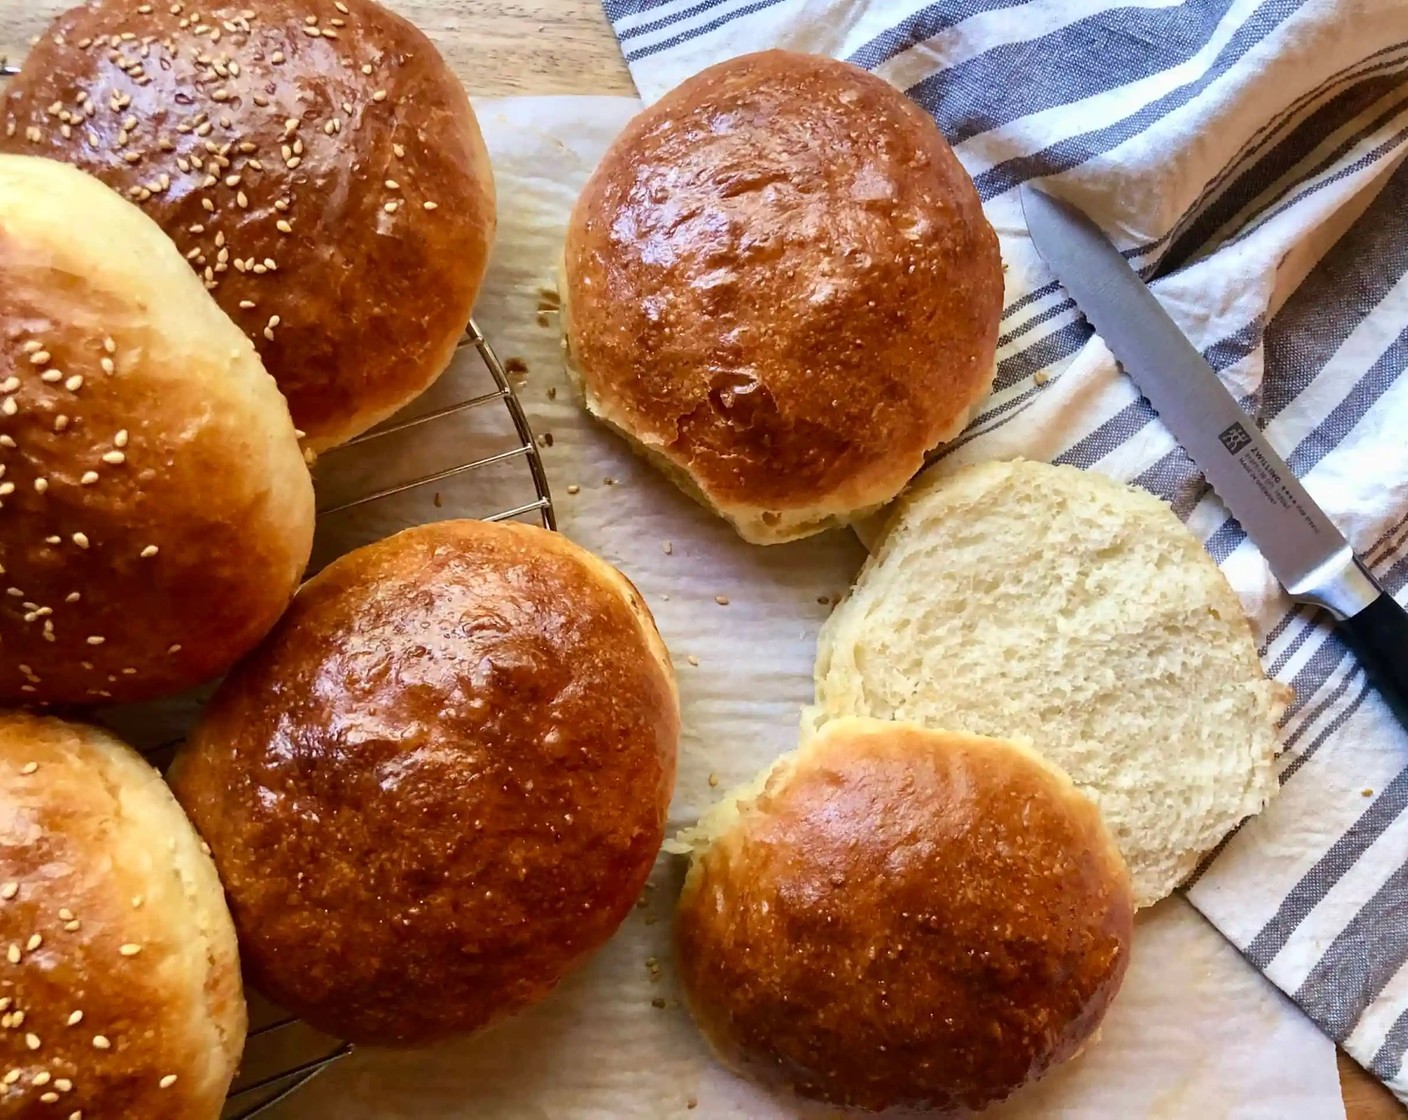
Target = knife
(1308,555)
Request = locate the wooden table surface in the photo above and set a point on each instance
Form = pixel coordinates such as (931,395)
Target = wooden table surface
(564,46)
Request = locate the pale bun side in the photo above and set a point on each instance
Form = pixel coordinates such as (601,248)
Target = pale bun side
(316,162)
(122,991)
(157,510)
(1018,598)
(439,786)
(779,285)
(893,916)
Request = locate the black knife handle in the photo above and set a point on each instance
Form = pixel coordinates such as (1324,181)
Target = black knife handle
(1379,637)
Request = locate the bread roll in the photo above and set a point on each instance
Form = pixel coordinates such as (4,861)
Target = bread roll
(121,996)
(1051,603)
(155,511)
(441,783)
(896,916)
(780,285)
(316,162)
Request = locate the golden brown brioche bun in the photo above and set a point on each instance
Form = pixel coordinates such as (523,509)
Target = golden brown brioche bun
(780,285)
(441,783)
(121,990)
(896,916)
(155,511)
(315,160)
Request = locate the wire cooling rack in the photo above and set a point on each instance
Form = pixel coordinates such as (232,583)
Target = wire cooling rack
(283,1054)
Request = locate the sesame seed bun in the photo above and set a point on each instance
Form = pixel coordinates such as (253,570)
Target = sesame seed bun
(441,783)
(779,284)
(315,160)
(155,510)
(897,916)
(120,987)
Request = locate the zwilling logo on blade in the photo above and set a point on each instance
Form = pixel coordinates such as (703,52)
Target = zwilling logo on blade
(1235,438)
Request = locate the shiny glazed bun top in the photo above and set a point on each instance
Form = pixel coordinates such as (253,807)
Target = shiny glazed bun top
(119,974)
(315,161)
(895,916)
(441,782)
(780,284)
(155,511)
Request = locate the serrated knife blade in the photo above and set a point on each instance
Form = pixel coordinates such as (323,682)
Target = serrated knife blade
(1308,554)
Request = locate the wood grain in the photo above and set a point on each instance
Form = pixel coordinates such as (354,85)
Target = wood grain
(556,47)
(499,49)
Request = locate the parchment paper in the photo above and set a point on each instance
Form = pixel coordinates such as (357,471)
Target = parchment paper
(1195,1032)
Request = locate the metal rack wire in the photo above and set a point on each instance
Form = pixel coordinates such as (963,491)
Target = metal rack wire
(282,1054)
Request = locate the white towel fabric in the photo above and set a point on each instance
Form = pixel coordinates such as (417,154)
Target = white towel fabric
(1249,154)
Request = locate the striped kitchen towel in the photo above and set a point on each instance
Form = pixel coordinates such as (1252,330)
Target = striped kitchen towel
(1251,156)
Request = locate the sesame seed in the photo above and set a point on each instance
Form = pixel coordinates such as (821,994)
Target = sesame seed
(89,478)
(167,1081)
(173,650)
(101,1042)
(39,357)
(32,1041)
(9,385)
(283,226)
(150,551)
(9,890)
(391,207)
(34,942)
(29,768)
(242,200)
(692,660)
(116,458)
(12,954)
(110,346)
(379,95)
(80,539)
(574,489)
(11,1076)
(341,7)
(120,440)
(51,376)
(130,950)
(63,1084)
(8,406)
(71,926)
(399,151)
(49,1097)
(722,600)
(74,383)
(41,485)
(96,640)
(43,1077)
(65,914)
(667,547)
(108,366)
(75,1018)
(431,205)
(392,185)
(71,597)
(277,58)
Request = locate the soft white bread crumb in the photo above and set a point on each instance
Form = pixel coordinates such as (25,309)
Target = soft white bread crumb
(1023,600)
